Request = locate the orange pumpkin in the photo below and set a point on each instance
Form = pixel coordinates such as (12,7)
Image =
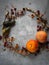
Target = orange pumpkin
(41,36)
(32,46)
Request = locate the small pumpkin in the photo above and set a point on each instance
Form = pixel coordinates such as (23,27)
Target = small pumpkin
(41,36)
(32,46)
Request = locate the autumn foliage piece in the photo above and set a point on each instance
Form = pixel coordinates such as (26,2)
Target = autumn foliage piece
(41,36)
(32,46)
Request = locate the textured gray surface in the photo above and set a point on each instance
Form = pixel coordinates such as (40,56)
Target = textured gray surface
(24,30)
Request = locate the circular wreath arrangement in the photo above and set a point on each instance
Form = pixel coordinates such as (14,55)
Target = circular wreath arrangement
(32,46)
